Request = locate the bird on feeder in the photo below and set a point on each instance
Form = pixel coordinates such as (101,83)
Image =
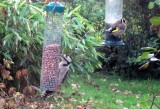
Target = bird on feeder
(63,67)
(118,28)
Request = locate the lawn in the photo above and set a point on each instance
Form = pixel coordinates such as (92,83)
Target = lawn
(105,92)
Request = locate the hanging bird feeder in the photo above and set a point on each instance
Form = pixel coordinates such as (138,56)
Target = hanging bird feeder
(113,15)
(51,46)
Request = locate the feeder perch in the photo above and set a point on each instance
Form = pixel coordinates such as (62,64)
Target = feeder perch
(51,46)
(113,13)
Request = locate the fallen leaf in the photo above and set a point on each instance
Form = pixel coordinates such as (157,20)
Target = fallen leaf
(69,105)
(2,103)
(126,92)
(12,90)
(18,97)
(137,96)
(18,74)
(8,66)
(80,107)
(11,104)
(7,63)
(10,78)
(5,74)
(2,85)
(75,86)
(132,83)
(24,72)
(10,62)
(2,94)
(97,87)
(144,66)
(119,101)
(51,106)
(117,91)
(29,91)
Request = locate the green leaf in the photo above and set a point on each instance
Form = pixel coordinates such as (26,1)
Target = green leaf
(74,10)
(157,2)
(83,41)
(24,10)
(23,60)
(155,20)
(36,9)
(17,34)
(7,56)
(143,56)
(151,5)
(14,20)
(3,5)
(8,37)
(149,48)
(28,28)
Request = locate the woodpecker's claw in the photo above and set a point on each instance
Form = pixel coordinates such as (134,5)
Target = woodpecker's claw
(45,94)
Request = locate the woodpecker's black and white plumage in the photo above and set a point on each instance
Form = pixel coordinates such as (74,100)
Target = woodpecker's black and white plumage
(63,67)
(118,28)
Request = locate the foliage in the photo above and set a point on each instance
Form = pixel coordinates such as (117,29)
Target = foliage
(151,5)
(16,100)
(145,54)
(83,22)
(80,41)
(149,53)
(155,20)
(92,10)
(21,33)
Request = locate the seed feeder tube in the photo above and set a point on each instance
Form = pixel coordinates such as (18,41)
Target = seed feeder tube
(51,46)
(113,13)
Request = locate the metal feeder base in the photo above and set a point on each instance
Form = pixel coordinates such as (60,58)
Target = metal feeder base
(111,40)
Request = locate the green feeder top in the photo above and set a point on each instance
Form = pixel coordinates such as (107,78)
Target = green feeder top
(55,7)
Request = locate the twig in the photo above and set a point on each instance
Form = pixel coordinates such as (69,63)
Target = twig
(153,103)
(154,94)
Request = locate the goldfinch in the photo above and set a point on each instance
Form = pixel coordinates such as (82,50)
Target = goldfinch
(118,28)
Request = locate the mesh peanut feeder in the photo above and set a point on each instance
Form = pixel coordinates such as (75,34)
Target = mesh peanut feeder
(51,46)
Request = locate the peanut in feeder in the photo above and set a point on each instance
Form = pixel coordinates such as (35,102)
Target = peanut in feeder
(51,46)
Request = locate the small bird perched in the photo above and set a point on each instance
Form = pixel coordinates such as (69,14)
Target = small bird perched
(118,28)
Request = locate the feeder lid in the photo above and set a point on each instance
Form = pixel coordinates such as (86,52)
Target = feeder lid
(55,7)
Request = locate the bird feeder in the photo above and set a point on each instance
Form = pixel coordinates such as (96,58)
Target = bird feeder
(113,13)
(51,46)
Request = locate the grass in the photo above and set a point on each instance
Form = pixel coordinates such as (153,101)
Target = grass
(105,92)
